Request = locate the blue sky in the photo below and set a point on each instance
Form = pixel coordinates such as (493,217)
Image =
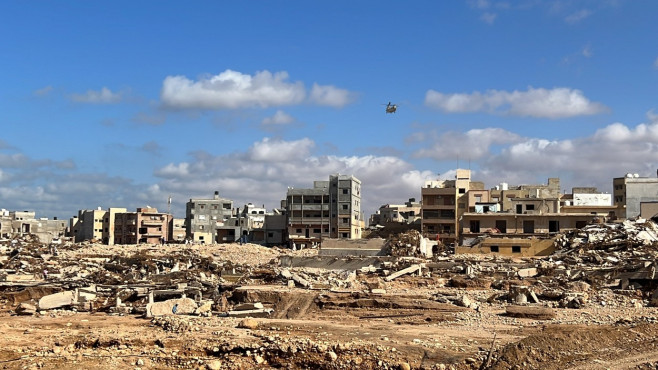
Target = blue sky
(122,104)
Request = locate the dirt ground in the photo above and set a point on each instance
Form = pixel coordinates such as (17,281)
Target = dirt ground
(403,328)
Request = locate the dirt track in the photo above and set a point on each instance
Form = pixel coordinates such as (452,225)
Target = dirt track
(331,338)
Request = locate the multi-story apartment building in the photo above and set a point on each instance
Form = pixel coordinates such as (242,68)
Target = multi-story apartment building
(95,224)
(147,225)
(203,216)
(347,192)
(443,203)
(632,190)
(526,224)
(331,209)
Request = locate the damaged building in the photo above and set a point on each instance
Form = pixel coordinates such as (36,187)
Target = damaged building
(331,209)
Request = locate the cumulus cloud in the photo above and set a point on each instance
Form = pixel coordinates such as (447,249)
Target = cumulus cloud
(592,160)
(540,103)
(102,96)
(231,90)
(263,172)
(577,16)
(450,145)
(235,90)
(269,150)
(330,95)
(279,118)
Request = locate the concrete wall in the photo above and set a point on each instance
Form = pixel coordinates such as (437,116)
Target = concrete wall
(519,247)
(347,247)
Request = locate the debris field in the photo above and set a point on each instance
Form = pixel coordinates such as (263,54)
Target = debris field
(591,304)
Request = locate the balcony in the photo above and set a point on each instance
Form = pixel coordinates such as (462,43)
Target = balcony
(152,222)
(309,207)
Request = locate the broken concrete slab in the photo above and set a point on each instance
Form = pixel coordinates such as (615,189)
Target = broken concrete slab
(409,270)
(530,312)
(184,306)
(57,300)
(529,272)
(248,306)
(263,312)
(26,309)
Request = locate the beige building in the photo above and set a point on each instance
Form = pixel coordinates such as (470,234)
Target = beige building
(147,225)
(331,209)
(95,225)
(443,203)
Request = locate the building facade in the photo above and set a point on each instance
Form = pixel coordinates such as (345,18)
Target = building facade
(632,190)
(331,209)
(203,216)
(146,225)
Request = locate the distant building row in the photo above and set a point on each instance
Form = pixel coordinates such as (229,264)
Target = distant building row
(331,209)
(505,219)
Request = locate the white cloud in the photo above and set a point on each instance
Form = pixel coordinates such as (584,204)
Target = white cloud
(269,150)
(279,118)
(263,173)
(450,145)
(577,16)
(235,90)
(231,90)
(540,103)
(104,96)
(488,18)
(330,95)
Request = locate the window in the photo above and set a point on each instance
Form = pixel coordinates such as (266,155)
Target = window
(345,235)
(494,249)
(475,226)
(462,190)
(214,206)
(529,207)
(298,231)
(478,198)
(516,249)
(345,220)
(202,206)
(344,206)
(553,226)
(317,231)
(270,235)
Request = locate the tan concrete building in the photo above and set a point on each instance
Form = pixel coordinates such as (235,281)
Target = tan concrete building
(443,203)
(331,209)
(94,225)
(147,225)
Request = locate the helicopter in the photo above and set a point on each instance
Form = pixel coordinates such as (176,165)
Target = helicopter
(391,108)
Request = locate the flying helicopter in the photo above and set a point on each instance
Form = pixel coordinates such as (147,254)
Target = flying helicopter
(391,108)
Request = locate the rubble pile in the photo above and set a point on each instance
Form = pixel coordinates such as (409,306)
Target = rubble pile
(405,244)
